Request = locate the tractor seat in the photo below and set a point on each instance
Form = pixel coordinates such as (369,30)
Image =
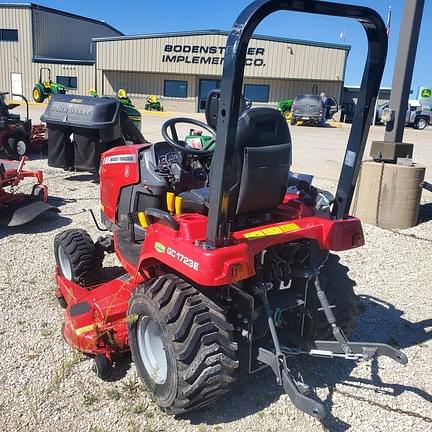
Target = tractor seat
(47,84)
(259,168)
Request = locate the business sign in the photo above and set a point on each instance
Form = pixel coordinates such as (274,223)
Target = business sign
(424,96)
(208,54)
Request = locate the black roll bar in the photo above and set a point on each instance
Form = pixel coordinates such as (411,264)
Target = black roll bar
(231,88)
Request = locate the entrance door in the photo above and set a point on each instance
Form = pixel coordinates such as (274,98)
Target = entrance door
(16,85)
(205,86)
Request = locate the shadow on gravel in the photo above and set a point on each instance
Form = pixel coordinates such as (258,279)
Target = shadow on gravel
(425,213)
(252,393)
(121,365)
(92,177)
(46,222)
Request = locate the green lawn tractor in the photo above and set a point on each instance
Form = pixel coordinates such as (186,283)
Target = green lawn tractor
(284,106)
(129,108)
(153,104)
(45,87)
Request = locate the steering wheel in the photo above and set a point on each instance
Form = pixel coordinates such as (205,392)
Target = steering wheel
(174,141)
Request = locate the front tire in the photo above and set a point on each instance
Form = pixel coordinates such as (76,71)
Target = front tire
(181,344)
(293,121)
(77,257)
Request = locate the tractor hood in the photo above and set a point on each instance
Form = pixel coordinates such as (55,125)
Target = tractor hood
(82,111)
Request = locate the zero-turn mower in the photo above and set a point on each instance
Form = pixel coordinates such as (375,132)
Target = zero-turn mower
(18,137)
(228,268)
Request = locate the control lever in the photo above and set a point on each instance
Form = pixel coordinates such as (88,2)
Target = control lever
(176,170)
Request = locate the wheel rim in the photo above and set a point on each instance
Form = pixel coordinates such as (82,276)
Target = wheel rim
(21,148)
(421,124)
(64,263)
(152,350)
(36,94)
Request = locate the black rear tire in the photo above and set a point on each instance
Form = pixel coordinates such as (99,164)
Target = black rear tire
(293,121)
(16,146)
(196,339)
(77,257)
(38,95)
(339,289)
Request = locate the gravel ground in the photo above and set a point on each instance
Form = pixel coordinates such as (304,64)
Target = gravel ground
(45,386)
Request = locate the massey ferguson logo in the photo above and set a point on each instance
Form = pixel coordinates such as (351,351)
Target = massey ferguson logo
(124,158)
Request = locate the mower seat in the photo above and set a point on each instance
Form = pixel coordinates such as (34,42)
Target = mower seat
(259,168)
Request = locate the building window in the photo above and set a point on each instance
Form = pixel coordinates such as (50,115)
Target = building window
(175,88)
(67,81)
(257,92)
(9,35)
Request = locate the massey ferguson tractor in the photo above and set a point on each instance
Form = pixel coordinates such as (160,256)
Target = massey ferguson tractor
(228,268)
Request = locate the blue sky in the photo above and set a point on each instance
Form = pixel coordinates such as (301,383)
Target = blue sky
(149,16)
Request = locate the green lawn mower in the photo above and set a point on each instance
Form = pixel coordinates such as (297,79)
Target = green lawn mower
(45,87)
(129,108)
(153,104)
(285,106)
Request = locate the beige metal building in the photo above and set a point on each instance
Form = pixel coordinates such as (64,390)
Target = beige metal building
(181,68)
(33,36)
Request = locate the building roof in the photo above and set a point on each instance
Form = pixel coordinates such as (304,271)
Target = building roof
(59,12)
(225,33)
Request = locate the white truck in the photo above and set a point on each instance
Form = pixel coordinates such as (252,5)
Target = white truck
(416,116)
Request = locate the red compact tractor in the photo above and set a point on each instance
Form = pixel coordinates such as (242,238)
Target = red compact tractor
(228,268)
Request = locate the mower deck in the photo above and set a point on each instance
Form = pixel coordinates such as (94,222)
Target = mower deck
(20,208)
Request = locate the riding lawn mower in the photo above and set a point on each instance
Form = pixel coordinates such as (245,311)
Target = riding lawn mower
(18,137)
(228,268)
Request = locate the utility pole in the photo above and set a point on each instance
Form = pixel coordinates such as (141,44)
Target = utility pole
(389,189)
(402,75)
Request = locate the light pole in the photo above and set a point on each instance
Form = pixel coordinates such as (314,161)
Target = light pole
(402,75)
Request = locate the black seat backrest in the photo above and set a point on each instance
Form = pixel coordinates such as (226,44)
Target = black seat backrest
(261,163)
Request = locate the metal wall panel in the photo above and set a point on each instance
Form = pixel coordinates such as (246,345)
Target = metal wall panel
(140,85)
(16,57)
(65,37)
(175,54)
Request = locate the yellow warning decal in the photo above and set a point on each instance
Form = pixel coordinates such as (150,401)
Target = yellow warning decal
(85,329)
(274,230)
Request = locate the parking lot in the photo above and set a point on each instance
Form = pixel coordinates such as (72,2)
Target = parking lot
(46,386)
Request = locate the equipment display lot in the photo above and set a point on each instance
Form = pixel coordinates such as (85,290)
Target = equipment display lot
(45,386)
